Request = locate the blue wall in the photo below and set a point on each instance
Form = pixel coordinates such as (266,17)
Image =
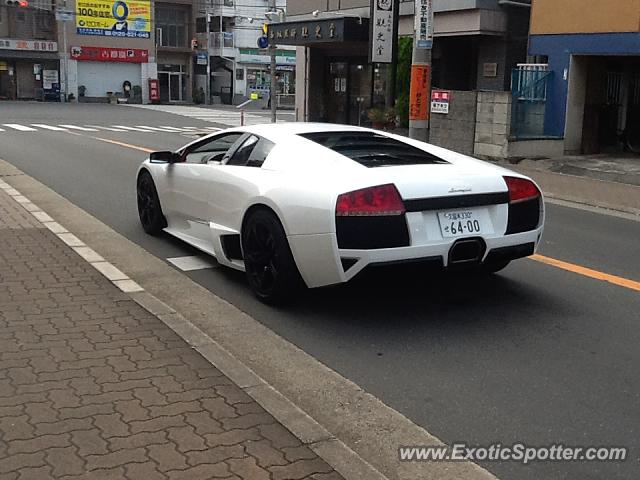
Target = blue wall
(559,49)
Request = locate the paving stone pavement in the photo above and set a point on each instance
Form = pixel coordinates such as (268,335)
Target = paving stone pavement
(92,386)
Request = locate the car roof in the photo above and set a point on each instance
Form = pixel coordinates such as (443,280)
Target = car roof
(280,131)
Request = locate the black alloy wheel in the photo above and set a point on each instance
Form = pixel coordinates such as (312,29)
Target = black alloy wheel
(271,270)
(149,210)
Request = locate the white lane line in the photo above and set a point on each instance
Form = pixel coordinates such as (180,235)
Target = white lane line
(1,130)
(188,264)
(19,127)
(49,127)
(106,128)
(134,129)
(75,127)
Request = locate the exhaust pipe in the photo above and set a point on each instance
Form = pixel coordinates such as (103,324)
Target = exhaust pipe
(467,251)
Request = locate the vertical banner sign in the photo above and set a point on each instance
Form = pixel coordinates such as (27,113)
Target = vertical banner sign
(382,30)
(424,23)
(419,94)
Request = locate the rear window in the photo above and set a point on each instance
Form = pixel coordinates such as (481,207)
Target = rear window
(373,150)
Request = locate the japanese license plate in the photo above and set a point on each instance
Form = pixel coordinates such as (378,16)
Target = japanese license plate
(463,223)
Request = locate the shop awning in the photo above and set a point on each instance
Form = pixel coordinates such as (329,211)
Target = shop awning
(319,32)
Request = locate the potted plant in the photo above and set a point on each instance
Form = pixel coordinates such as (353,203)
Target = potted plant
(198,96)
(378,117)
(390,114)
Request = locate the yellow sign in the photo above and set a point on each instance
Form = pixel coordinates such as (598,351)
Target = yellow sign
(118,18)
(254,96)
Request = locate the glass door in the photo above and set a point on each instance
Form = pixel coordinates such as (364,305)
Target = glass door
(175,87)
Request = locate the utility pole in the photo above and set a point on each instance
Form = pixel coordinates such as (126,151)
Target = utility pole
(208,85)
(420,95)
(272,86)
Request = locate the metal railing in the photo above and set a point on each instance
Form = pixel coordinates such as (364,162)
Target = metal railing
(529,90)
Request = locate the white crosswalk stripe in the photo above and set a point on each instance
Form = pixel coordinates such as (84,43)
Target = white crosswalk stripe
(191,263)
(49,127)
(76,127)
(226,117)
(133,129)
(38,127)
(19,127)
(110,129)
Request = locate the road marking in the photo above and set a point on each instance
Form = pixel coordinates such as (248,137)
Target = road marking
(75,127)
(49,127)
(106,128)
(158,129)
(122,144)
(19,127)
(588,272)
(191,263)
(1,130)
(133,129)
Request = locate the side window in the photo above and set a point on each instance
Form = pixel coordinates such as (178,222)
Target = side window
(213,149)
(241,156)
(260,153)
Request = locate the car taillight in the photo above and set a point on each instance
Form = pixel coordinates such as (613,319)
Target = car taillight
(521,189)
(373,201)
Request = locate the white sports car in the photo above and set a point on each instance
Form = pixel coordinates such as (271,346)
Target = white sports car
(314,204)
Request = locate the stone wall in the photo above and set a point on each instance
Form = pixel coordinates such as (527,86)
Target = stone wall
(456,130)
(493,122)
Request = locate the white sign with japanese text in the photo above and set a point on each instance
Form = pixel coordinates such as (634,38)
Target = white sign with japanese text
(382,31)
(424,23)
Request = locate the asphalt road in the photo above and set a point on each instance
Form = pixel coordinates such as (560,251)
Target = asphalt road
(536,354)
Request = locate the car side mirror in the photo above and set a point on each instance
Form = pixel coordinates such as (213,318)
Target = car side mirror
(164,157)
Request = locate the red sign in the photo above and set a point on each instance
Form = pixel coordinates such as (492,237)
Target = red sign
(419,92)
(154,90)
(105,54)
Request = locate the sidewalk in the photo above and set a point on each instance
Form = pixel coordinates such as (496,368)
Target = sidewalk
(93,386)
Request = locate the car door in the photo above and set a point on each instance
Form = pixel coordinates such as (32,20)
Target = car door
(189,182)
(238,179)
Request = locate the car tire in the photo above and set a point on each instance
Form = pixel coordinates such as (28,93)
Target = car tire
(149,209)
(494,267)
(269,264)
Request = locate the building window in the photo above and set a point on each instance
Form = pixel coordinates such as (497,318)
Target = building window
(172,26)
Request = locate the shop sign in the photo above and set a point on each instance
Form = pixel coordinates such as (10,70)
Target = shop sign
(105,54)
(283,57)
(49,77)
(347,29)
(424,23)
(30,45)
(201,58)
(419,93)
(382,30)
(122,18)
(440,101)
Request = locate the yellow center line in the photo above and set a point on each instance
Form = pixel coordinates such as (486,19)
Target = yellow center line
(588,272)
(570,267)
(126,145)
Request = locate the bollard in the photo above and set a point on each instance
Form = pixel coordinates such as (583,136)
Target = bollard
(242,118)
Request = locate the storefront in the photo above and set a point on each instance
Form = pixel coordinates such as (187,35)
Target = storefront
(254,67)
(336,82)
(110,50)
(26,69)
(105,72)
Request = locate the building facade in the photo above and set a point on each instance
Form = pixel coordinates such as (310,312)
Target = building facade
(238,66)
(592,49)
(476,44)
(29,66)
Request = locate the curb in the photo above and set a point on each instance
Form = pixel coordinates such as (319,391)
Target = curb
(332,450)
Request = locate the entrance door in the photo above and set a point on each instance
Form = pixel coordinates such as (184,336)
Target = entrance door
(175,87)
(337,110)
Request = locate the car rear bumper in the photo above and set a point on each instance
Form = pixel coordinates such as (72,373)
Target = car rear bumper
(322,263)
